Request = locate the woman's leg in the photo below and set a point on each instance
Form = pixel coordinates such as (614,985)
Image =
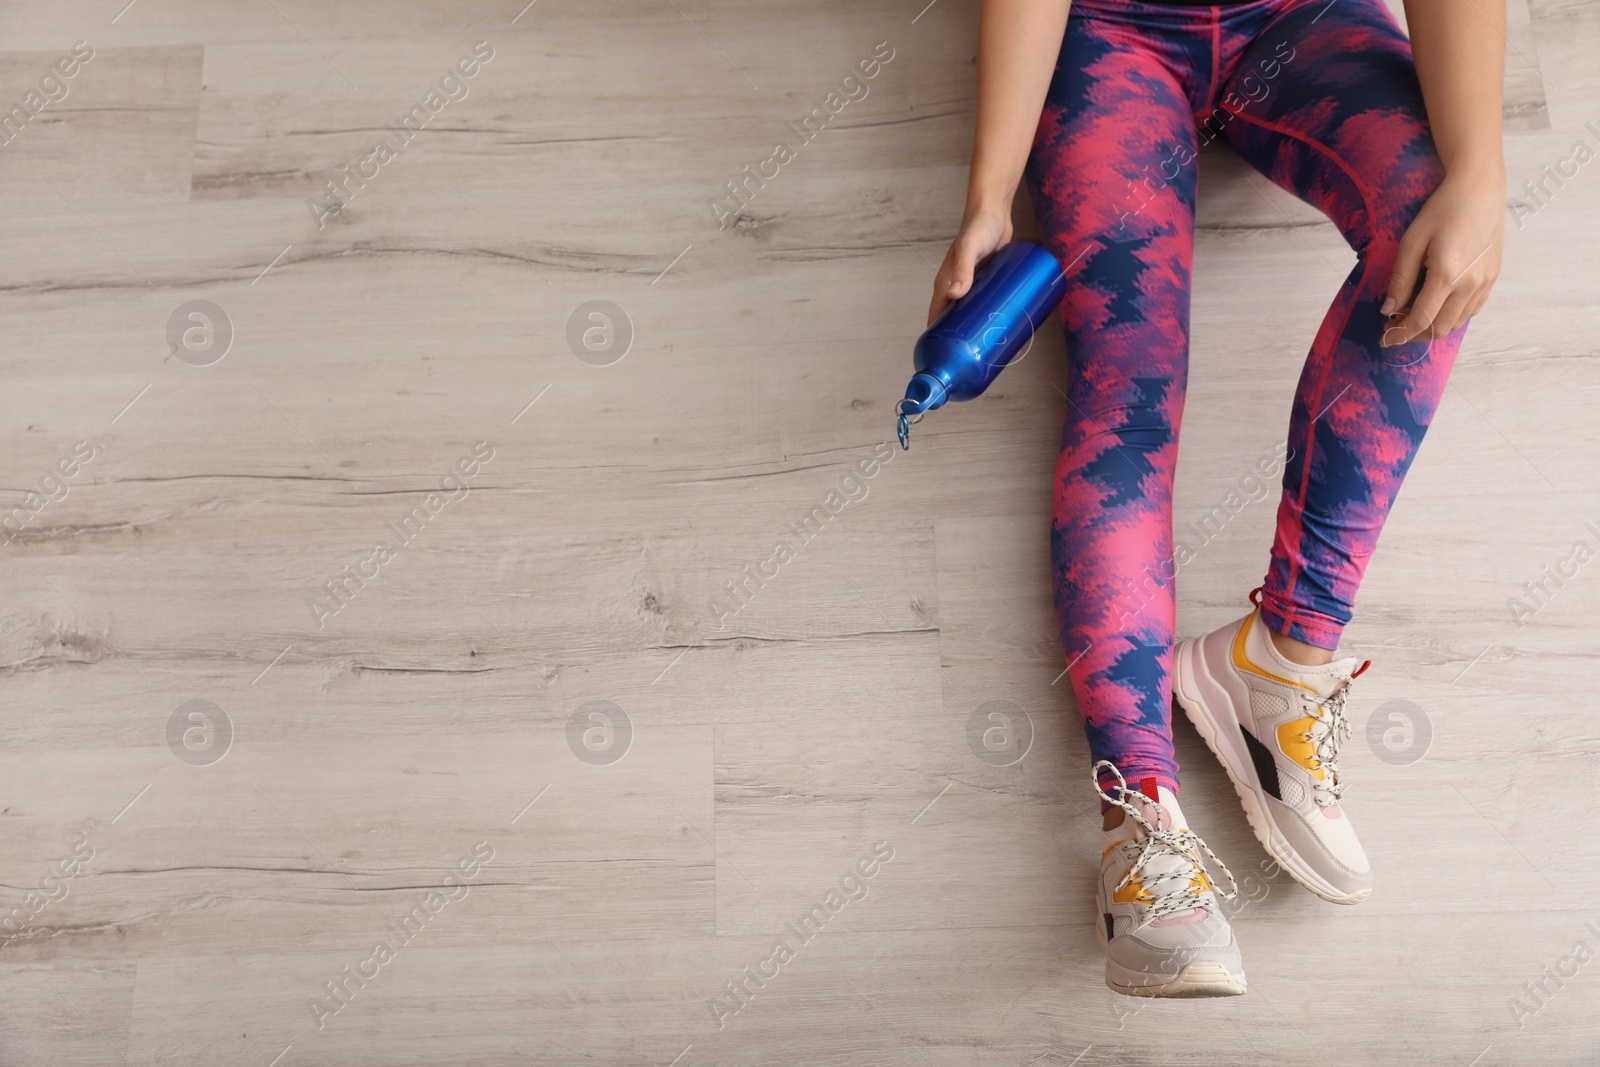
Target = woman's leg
(1326,103)
(1112,177)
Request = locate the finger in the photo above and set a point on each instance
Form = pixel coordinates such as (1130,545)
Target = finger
(941,288)
(1475,302)
(964,256)
(1424,311)
(955,277)
(1472,283)
(1478,301)
(1403,281)
(1451,315)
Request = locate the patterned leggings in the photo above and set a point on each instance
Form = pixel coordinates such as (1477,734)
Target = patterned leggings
(1322,98)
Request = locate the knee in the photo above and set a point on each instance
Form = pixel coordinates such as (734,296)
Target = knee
(1100,426)
(1147,433)
(1394,205)
(1112,408)
(1145,418)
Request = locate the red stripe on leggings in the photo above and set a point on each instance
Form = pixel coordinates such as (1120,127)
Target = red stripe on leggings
(1327,356)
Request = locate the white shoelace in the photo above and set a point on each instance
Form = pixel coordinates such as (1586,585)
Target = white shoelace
(1184,843)
(1330,730)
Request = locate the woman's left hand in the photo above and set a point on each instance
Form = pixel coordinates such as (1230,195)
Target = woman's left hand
(1458,237)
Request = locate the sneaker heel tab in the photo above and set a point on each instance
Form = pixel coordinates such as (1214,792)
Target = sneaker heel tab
(1255,596)
(1150,789)
(1359,671)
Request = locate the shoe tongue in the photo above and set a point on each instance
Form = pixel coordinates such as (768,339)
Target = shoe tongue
(1148,800)
(1331,677)
(1163,815)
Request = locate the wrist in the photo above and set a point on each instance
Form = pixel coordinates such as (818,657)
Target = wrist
(989,201)
(1479,165)
(991,187)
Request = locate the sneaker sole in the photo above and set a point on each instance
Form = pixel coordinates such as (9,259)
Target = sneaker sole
(1197,979)
(1186,671)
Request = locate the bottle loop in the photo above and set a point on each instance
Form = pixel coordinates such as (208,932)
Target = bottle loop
(903,424)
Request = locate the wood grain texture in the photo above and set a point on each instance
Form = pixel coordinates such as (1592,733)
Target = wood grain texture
(777,734)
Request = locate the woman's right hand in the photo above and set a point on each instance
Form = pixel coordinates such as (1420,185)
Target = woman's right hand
(982,232)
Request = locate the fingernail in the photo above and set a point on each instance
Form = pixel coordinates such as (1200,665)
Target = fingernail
(1388,306)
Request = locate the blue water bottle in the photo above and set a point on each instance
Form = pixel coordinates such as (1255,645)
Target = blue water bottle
(975,337)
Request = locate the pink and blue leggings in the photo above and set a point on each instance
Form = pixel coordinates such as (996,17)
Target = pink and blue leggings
(1322,98)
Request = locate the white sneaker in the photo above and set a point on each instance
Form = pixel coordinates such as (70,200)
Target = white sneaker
(1160,926)
(1277,727)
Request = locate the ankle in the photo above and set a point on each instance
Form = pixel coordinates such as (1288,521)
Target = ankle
(1296,651)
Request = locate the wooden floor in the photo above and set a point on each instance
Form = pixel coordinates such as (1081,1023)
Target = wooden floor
(529,747)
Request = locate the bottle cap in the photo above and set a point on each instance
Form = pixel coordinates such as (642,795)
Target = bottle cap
(923,393)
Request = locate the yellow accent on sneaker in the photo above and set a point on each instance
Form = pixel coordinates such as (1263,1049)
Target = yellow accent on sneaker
(1241,661)
(1293,740)
(1132,893)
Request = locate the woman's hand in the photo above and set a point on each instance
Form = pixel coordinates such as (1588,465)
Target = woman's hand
(1458,236)
(982,232)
